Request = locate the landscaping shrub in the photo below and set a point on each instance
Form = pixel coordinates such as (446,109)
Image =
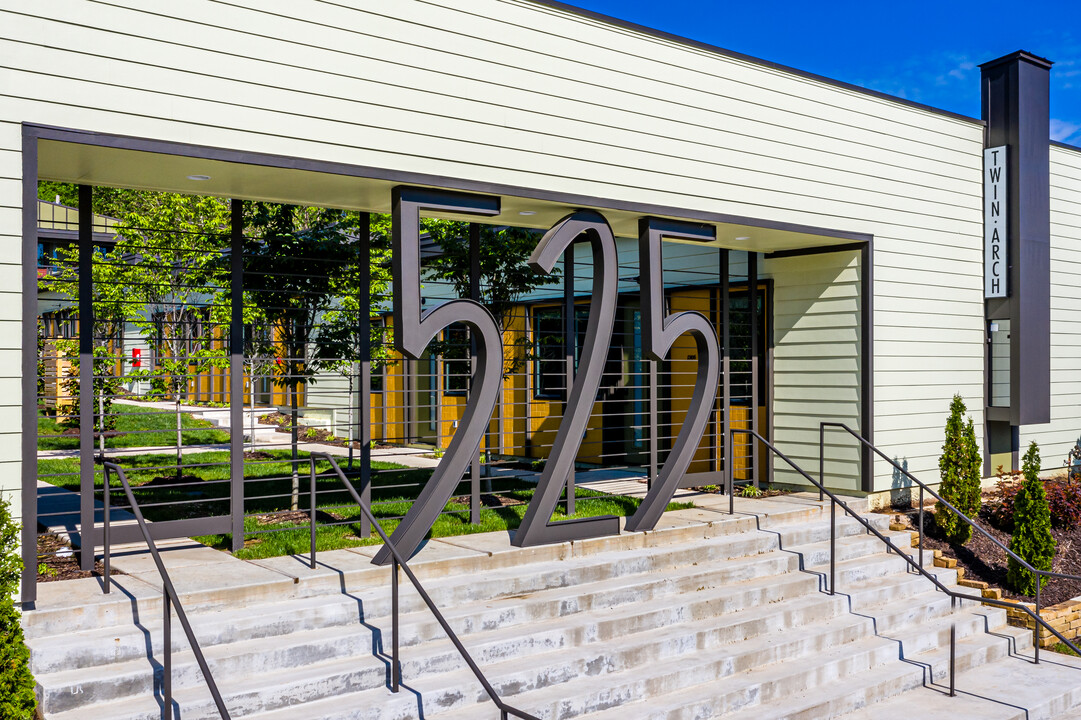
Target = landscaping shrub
(1031,538)
(17,701)
(960,468)
(1063,500)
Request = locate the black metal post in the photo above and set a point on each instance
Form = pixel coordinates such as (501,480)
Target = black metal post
(726,385)
(1036,626)
(395,667)
(920,535)
(29,434)
(167,656)
(752,309)
(474,294)
(570,332)
(833,546)
(953,646)
(311,520)
(107,580)
(365,419)
(730,474)
(236,373)
(86,377)
(821,461)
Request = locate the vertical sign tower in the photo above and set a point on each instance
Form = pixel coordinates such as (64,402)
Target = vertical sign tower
(1018,311)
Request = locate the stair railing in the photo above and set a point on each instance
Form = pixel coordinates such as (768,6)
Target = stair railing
(170,600)
(871,529)
(397,561)
(924,488)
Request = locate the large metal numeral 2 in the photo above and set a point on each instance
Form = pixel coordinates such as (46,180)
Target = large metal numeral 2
(412,333)
(536,528)
(659,333)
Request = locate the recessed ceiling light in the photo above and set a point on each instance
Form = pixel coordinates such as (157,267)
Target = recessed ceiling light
(745,237)
(527,212)
(198,177)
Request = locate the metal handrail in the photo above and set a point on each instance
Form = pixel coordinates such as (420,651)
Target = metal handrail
(954,595)
(398,561)
(170,600)
(924,487)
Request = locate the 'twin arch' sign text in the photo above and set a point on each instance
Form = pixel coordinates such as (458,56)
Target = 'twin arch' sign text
(995,263)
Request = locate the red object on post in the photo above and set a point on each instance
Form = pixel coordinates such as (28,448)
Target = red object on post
(136,357)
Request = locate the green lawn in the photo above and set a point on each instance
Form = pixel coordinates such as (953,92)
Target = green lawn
(138,426)
(204,492)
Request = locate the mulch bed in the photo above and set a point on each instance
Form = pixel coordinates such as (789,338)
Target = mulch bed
(309,434)
(983,560)
(57,561)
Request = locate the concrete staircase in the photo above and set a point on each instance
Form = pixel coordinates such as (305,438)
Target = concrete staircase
(709,616)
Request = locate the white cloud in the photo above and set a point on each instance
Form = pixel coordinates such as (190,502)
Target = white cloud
(1067,132)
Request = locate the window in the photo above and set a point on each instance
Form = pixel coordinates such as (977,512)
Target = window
(549,349)
(457,364)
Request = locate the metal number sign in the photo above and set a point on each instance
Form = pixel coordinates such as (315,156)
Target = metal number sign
(536,527)
(413,331)
(659,333)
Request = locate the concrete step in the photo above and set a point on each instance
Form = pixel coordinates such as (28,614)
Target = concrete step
(1011,689)
(134,601)
(710,615)
(70,657)
(573,690)
(635,625)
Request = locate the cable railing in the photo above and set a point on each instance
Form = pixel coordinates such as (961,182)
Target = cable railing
(969,521)
(170,600)
(954,595)
(397,561)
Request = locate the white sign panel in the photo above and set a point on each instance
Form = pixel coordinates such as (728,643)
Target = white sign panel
(995,264)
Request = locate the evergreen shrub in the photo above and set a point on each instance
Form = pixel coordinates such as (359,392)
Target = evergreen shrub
(961,470)
(17,700)
(1031,539)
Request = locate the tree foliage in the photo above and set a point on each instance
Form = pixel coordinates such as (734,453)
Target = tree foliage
(17,700)
(1031,539)
(960,468)
(505,276)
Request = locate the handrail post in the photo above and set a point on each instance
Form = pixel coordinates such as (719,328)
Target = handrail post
(953,647)
(920,534)
(105,531)
(833,544)
(730,475)
(167,656)
(1036,626)
(311,520)
(395,667)
(821,460)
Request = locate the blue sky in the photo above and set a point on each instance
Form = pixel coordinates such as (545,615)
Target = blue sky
(923,51)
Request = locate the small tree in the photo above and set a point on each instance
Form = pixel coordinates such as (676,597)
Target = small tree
(960,470)
(17,701)
(295,259)
(1032,539)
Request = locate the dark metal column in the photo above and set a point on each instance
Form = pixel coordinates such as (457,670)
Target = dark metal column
(29,369)
(867,355)
(364,415)
(726,360)
(236,373)
(752,310)
(86,378)
(570,333)
(474,294)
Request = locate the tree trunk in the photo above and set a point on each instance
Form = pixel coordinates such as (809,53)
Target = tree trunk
(179,442)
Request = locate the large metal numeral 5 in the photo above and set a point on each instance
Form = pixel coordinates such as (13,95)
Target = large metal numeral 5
(412,333)
(659,333)
(536,528)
